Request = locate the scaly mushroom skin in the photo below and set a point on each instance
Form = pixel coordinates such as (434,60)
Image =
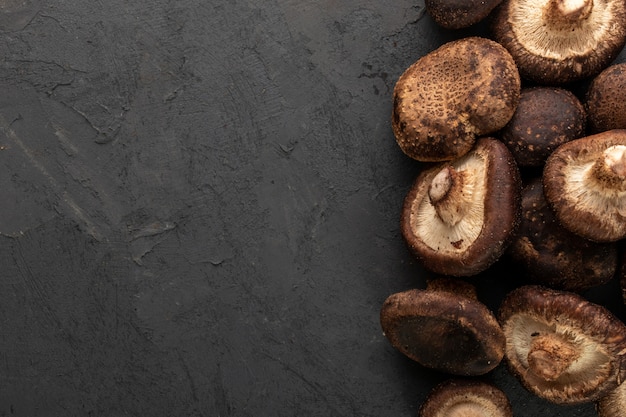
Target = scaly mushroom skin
(545,118)
(443,330)
(466,398)
(606,100)
(463,90)
(585,184)
(551,255)
(459,217)
(560,41)
(457,14)
(562,347)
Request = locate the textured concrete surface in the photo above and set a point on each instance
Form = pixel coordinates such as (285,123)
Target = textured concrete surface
(200,205)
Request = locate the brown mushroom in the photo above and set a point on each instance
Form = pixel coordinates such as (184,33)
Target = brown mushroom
(561,41)
(457,14)
(562,347)
(606,100)
(459,217)
(449,97)
(545,118)
(585,184)
(551,255)
(444,327)
(613,404)
(466,398)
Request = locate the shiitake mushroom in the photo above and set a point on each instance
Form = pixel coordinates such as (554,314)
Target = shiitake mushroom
(551,255)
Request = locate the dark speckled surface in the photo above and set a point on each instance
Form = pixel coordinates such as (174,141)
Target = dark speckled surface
(200,209)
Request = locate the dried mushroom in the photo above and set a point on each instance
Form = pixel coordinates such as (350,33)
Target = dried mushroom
(585,184)
(561,41)
(457,14)
(551,255)
(463,90)
(546,117)
(466,398)
(562,347)
(459,217)
(444,329)
(606,100)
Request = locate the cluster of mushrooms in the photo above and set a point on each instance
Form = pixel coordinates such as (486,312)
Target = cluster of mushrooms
(516,164)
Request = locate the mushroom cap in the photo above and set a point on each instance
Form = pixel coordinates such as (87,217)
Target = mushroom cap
(587,200)
(457,14)
(545,118)
(553,256)
(562,347)
(443,331)
(464,89)
(606,99)
(491,213)
(551,49)
(466,398)
(613,404)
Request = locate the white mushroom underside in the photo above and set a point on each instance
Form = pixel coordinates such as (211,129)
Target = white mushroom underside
(442,237)
(593,364)
(529,28)
(469,406)
(609,205)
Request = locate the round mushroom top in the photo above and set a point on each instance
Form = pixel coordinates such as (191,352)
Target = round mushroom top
(545,118)
(553,256)
(585,184)
(562,347)
(443,331)
(606,99)
(462,90)
(457,14)
(561,41)
(459,217)
(466,398)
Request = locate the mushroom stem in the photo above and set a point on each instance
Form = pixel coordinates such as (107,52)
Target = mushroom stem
(447,193)
(609,170)
(549,356)
(565,13)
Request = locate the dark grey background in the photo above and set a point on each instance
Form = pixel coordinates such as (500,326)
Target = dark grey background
(200,205)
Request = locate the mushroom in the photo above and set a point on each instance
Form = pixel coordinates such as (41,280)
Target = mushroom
(613,404)
(466,398)
(606,100)
(545,118)
(444,327)
(463,90)
(585,184)
(551,255)
(455,14)
(459,216)
(562,347)
(561,41)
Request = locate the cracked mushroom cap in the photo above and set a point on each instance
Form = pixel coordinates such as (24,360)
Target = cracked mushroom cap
(463,90)
(459,217)
(561,41)
(562,347)
(553,256)
(457,14)
(606,100)
(443,330)
(585,184)
(466,398)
